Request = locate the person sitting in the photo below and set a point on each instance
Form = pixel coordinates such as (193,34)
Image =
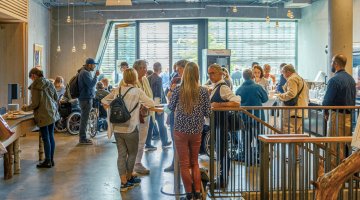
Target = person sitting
(107,86)
(99,95)
(59,86)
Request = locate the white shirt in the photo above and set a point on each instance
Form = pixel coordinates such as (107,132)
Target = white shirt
(134,96)
(225,92)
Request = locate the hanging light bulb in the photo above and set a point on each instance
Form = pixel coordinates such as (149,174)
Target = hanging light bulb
(68,19)
(73,49)
(58,49)
(234,9)
(267,19)
(84,44)
(290,14)
(277,24)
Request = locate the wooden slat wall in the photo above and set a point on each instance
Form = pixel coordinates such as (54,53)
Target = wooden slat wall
(13,63)
(18,9)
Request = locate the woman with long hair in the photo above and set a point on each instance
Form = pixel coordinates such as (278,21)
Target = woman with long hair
(127,134)
(191,103)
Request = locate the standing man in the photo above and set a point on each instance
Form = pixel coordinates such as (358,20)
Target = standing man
(251,94)
(295,85)
(86,83)
(141,67)
(221,96)
(341,91)
(159,97)
(282,81)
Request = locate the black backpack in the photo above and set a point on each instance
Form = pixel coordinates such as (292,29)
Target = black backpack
(74,87)
(118,111)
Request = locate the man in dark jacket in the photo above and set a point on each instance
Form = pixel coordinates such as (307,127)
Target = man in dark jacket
(341,91)
(251,94)
(221,96)
(159,97)
(86,82)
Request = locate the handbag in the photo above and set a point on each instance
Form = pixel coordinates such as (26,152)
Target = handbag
(293,101)
(5,131)
(144,112)
(235,121)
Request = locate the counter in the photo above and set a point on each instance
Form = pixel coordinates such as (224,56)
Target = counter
(12,144)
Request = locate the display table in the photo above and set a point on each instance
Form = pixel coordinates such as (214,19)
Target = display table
(12,144)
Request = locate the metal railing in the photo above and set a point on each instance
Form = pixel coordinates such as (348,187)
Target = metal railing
(235,163)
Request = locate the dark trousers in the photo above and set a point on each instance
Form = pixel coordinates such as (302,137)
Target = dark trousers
(222,147)
(47,135)
(85,106)
(250,142)
(161,127)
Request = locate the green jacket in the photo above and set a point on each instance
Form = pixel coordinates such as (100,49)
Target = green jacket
(43,102)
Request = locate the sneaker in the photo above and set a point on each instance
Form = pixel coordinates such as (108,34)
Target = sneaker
(125,187)
(167,145)
(86,142)
(140,169)
(197,196)
(150,148)
(134,180)
(169,169)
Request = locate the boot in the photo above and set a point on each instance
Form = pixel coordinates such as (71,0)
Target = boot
(197,196)
(52,163)
(189,196)
(45,164)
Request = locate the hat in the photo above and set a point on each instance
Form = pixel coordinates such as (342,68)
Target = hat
(90,61)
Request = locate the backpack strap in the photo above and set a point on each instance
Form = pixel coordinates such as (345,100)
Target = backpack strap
(125,95)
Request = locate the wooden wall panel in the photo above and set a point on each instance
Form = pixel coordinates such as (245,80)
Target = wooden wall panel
(13,59)
(16,9)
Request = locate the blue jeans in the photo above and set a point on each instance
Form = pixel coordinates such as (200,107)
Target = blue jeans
(162,129)
(47,135)
(85,106)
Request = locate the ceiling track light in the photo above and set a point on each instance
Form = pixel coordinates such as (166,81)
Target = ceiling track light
(277,24)
(267,19)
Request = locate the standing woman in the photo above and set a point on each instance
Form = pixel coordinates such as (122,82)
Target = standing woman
(191,103)
(259,77)
(44,103)
(127,134)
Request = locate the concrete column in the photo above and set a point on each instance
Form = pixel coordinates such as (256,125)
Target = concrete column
(341,30)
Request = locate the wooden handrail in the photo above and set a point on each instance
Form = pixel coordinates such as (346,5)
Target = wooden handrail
(283,108)
(303,139)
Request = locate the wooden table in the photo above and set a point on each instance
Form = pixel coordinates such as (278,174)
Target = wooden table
(12,144)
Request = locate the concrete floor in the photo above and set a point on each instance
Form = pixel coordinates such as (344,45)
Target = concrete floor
(83,172)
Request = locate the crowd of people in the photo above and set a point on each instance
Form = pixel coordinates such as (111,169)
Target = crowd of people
(189,104)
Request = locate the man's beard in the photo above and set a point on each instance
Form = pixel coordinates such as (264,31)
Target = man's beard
(333,70)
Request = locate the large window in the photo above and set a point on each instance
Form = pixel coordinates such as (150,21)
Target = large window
(217,34)
(185,42)
(254,41)
(120,47)
(262,42)
(154,43)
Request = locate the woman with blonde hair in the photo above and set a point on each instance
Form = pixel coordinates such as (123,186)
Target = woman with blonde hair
(127,134)
(191,103)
